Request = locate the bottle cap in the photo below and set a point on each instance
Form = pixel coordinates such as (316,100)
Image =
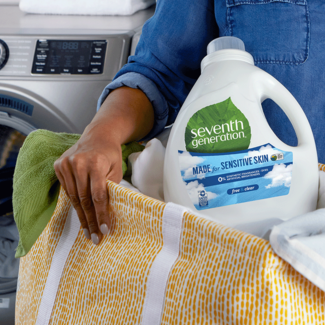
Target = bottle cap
(225,43)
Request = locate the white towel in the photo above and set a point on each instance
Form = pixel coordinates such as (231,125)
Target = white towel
(148,168)
(300,241)
(263,228)
(84,7)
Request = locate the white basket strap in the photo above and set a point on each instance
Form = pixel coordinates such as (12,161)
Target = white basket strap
(164,261)
(67,239)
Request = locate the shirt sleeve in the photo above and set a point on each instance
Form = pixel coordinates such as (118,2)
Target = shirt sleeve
(167,59)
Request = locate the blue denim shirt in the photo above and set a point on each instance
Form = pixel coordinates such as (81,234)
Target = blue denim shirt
(285,37)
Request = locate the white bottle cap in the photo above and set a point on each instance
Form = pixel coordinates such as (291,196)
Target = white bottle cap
(225,43)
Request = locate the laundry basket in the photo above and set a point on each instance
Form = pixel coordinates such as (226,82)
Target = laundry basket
(158,265)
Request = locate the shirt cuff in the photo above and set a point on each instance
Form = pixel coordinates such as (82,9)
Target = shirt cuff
(139,81)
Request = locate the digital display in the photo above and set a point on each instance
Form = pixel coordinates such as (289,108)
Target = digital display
(69,57)
(68,46)
(69,54)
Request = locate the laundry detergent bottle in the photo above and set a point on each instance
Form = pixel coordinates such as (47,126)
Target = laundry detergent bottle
(223,160)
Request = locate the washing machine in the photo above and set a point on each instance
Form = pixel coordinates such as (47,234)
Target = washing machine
(53,68)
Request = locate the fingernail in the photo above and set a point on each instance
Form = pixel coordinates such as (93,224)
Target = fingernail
(86,232)
(95,238)
(104,229)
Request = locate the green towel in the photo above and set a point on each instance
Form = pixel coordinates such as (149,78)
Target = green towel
(36,187)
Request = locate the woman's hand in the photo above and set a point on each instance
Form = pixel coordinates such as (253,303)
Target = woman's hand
(126,115)
(82,171)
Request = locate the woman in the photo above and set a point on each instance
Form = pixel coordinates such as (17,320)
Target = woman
(285,38)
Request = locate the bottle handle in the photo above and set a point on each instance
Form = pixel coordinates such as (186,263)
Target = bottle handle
(273,89)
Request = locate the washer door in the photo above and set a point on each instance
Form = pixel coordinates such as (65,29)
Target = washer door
(27,111)
(10,142)
(13,132)
(22,112)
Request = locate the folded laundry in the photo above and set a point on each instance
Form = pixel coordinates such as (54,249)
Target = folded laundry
(147,169)
(36,186)
(84,7)
(300,241)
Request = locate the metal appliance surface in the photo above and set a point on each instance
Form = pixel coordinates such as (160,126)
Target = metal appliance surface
(53,68)
(63,101)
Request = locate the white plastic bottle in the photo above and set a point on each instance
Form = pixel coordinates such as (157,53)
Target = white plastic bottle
(223,160)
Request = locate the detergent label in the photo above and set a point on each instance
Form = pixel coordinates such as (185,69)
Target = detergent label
(218,128)
(221,179)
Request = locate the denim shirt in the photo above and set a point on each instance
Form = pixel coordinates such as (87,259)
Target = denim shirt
(285,37)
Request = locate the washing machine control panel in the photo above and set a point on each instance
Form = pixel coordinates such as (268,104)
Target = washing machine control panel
(69,57)
(4,54)
(56,57)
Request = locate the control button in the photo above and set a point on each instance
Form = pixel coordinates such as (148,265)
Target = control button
(96,63)
(98,50)
(41,53)
(4,53)
(95,71)
(96,57)
(66,70)
(42,50)
(40,64)
(42,46)
(41,56)
(99,44)
(43,43)
(53,70)
(39,70)
(81,70)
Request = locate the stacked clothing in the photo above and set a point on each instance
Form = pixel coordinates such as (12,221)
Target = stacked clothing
(73,7)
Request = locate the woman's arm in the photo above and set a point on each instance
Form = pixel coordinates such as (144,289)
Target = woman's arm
(126,115)
(165,67)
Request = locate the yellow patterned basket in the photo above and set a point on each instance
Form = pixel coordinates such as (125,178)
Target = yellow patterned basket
(158,265)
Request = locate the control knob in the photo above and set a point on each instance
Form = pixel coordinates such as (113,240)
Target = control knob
(4,53)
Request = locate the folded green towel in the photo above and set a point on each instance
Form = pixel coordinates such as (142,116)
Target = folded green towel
(36,187)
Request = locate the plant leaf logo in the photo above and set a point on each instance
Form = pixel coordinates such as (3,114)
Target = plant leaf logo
(218,128)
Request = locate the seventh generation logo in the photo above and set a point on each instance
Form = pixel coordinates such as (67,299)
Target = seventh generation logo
(228,131)
(218,128)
